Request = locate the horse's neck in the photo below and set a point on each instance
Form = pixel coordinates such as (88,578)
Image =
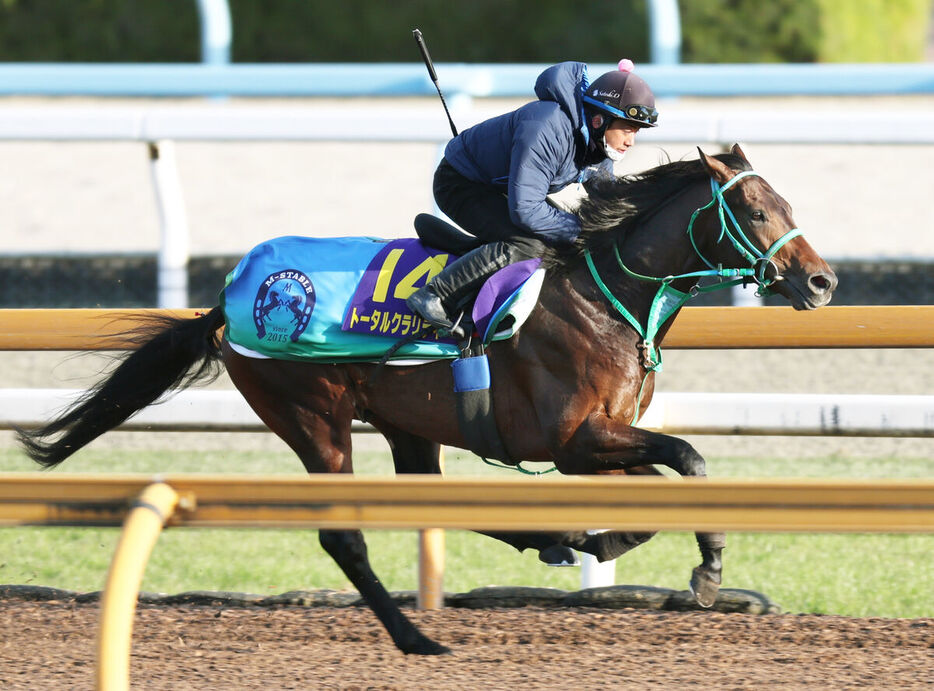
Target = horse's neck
(658,247)
(576,316)
(661,246)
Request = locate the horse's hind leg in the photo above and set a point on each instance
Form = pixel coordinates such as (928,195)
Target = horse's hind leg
(413,454)
(309,411)
(607,448)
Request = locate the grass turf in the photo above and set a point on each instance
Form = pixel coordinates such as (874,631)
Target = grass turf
(855,575)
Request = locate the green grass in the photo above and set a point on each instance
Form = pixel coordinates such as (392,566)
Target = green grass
(856,575)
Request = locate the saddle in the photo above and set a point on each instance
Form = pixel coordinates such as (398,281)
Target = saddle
(438,233)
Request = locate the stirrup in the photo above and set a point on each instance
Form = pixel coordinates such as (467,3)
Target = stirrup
(427,305)
(456,331)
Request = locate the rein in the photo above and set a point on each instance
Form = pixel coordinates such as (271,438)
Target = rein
(669,300)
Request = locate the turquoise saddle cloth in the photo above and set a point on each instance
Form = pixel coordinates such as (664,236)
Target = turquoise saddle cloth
(343,300)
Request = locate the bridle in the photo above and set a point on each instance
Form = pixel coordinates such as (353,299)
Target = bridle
(669,300)
(741,243)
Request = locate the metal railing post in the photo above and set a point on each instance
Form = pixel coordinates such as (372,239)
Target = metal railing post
(664,32)
(172,263)
(216,31)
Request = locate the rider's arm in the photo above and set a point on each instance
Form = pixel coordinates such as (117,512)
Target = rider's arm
(569,197)
(536,155)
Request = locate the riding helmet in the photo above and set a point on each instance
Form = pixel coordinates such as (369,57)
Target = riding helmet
(620,94)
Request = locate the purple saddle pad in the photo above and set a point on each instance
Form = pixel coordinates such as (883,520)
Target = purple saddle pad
(498,290)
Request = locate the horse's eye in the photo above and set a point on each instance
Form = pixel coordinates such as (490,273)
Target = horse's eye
(757,216)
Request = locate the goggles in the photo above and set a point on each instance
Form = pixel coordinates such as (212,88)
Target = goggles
(634,111)
(641,114)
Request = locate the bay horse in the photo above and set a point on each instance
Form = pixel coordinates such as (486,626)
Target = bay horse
(567,387)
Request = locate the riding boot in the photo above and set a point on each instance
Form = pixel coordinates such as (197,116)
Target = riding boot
(457,281)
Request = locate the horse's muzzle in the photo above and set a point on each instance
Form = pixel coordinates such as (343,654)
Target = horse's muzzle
(807,291)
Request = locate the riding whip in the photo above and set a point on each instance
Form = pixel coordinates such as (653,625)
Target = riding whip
(434,76)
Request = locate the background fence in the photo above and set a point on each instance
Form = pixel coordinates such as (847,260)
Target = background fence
(130,281)
(906,280)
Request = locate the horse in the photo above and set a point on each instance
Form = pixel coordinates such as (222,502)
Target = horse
(568,386)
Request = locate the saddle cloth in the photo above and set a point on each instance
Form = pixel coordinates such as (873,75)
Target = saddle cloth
(343,300)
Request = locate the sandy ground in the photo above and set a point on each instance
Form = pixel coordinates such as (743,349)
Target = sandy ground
(529,648)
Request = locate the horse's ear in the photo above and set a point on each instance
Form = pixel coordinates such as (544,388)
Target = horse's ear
(716,168)
(736,151)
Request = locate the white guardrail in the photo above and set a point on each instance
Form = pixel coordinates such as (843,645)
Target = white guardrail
(158,127)
(854,415)
(426,123)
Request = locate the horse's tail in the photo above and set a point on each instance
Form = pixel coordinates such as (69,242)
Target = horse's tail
(173,353)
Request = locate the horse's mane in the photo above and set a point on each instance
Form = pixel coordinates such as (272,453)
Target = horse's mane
(616,205)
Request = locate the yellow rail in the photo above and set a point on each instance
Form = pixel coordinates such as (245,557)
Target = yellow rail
(880,326)
(148,514)
(412,502)
(74,329)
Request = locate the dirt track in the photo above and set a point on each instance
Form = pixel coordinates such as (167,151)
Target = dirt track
(51,645)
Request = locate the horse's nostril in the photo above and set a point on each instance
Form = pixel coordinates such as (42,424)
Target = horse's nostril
(822,283)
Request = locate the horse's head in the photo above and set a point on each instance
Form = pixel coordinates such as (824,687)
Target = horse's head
(755,223)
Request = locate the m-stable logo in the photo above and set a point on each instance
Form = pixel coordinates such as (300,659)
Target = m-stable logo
(283,306)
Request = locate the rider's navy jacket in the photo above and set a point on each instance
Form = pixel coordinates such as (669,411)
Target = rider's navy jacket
(532,151)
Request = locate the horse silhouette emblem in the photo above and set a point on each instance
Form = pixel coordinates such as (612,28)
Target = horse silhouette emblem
(283,305)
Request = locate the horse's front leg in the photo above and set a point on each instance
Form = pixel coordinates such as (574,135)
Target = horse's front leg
(603,446)
(348,549)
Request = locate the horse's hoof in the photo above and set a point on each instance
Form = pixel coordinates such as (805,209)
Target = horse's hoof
(559,555)
(425,646)
(704,588)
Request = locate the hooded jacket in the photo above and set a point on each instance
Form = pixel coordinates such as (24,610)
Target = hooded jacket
(532,152)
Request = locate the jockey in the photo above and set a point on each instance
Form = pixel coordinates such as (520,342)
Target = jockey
(495,177)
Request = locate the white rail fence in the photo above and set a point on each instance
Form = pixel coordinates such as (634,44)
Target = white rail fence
(159,127)
(768,414)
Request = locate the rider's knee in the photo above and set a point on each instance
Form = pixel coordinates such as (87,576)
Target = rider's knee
(525,247)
